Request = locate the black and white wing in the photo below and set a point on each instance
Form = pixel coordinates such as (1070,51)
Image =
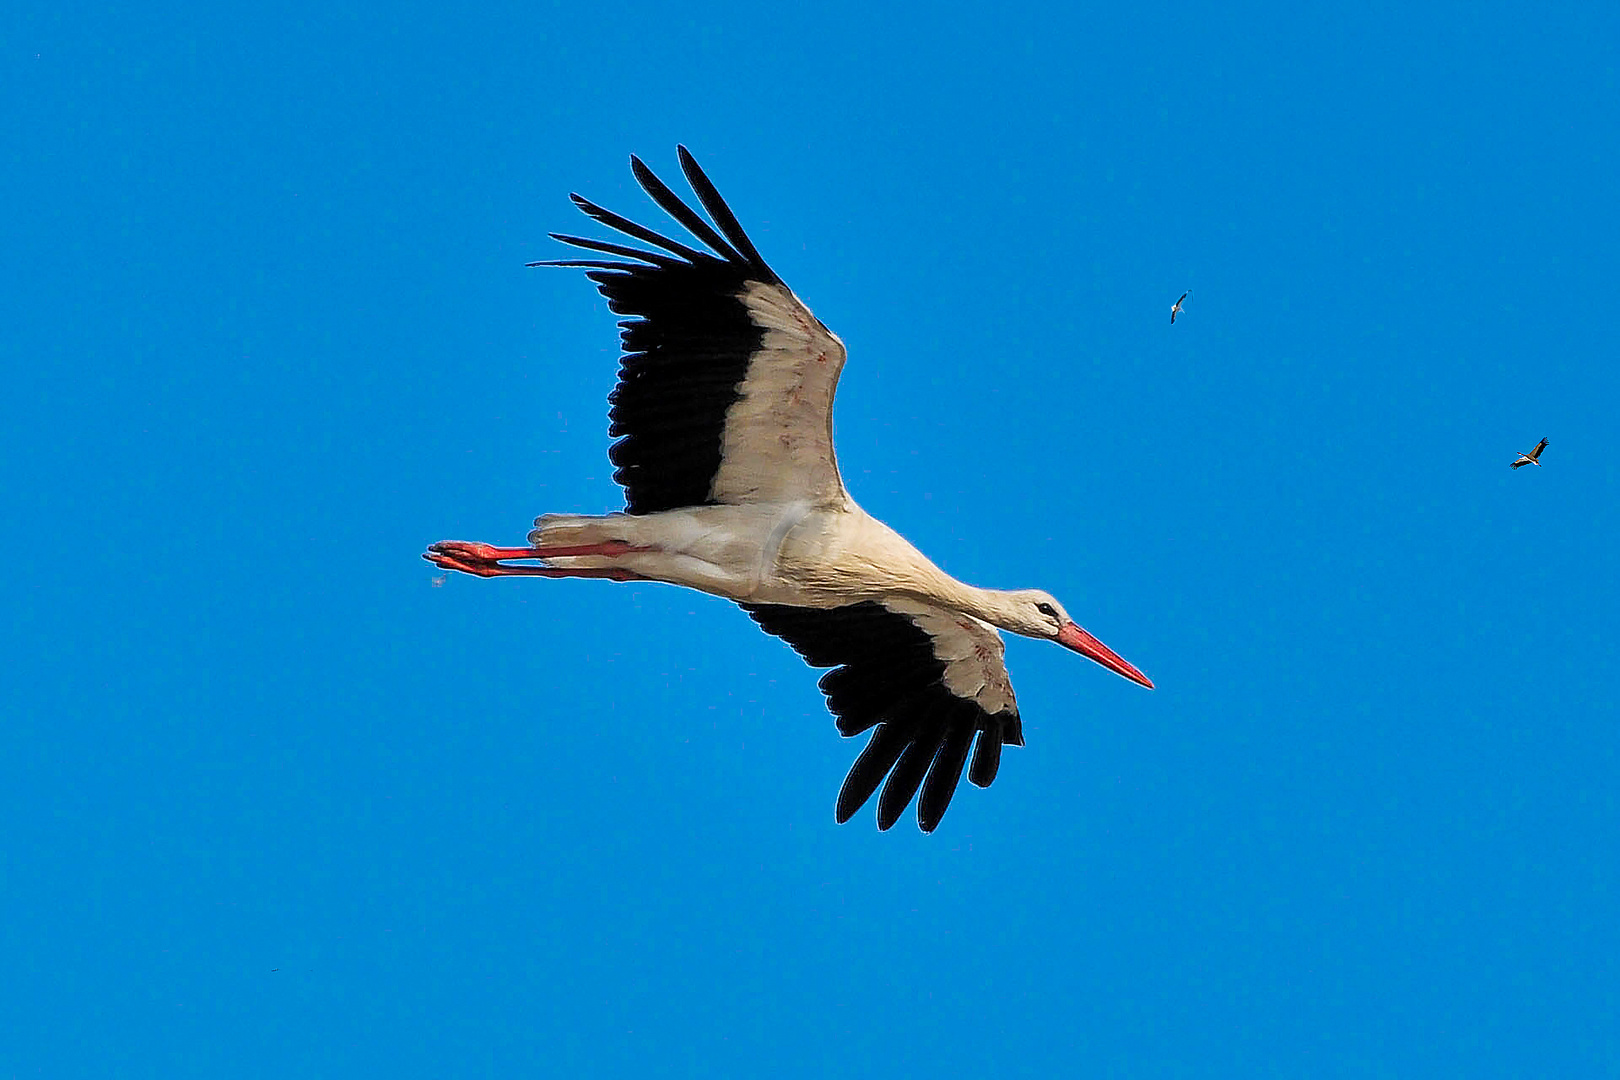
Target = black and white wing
(927,679)
(1535,455)
(726,384)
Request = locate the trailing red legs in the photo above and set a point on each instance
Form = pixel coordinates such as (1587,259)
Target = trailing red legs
(486,560)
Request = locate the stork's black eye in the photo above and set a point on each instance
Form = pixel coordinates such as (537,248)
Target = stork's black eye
(1046,609)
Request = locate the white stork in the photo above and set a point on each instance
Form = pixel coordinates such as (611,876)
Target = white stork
(1531,458)
(1175,308)
(723,415)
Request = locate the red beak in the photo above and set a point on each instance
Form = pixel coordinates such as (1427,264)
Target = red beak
(1072,637)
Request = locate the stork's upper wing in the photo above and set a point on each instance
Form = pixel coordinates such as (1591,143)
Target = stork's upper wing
(1540,446)
(928,679)
(727,380)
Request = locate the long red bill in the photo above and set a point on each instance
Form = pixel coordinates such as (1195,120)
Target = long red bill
(1072,637)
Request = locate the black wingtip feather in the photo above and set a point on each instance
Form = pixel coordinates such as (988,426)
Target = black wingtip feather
(986,758)
(640,232)
(888,742)
(677,209)
(909,772)
(652,257)
(589,264)
(721,213)
(939,786)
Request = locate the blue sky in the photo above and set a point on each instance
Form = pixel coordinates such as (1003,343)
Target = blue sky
(273,805)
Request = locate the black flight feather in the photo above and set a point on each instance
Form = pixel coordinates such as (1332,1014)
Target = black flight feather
(640,232)
(943,776)
(612,249)
(675,208)
(986,758)
(888,742)
(709,196)
(909,770)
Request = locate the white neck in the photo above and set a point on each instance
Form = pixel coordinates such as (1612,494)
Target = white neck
(994,606)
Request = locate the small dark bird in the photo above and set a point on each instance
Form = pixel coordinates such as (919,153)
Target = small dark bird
(1175,308)
(1532,458)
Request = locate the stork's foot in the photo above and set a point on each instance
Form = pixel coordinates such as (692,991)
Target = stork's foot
(469,558)
(486,560)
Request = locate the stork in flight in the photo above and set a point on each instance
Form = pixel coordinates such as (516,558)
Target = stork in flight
(723,415)
(1175,308)
(1532,458)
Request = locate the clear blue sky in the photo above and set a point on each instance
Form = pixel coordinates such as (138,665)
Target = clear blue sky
(268,332)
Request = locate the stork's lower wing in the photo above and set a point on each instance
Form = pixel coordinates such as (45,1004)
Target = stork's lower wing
(929,681)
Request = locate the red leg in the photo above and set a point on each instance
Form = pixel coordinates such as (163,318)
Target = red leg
(468,551)
(497,570)
(485,560)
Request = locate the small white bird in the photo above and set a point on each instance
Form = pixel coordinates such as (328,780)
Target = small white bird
(723,415)
(1532,458)
(1175,308)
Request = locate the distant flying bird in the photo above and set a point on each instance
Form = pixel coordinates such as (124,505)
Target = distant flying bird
(723,412)
(1175,308)
(1532,458)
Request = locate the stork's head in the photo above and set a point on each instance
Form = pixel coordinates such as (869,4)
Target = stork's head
(1038,614)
